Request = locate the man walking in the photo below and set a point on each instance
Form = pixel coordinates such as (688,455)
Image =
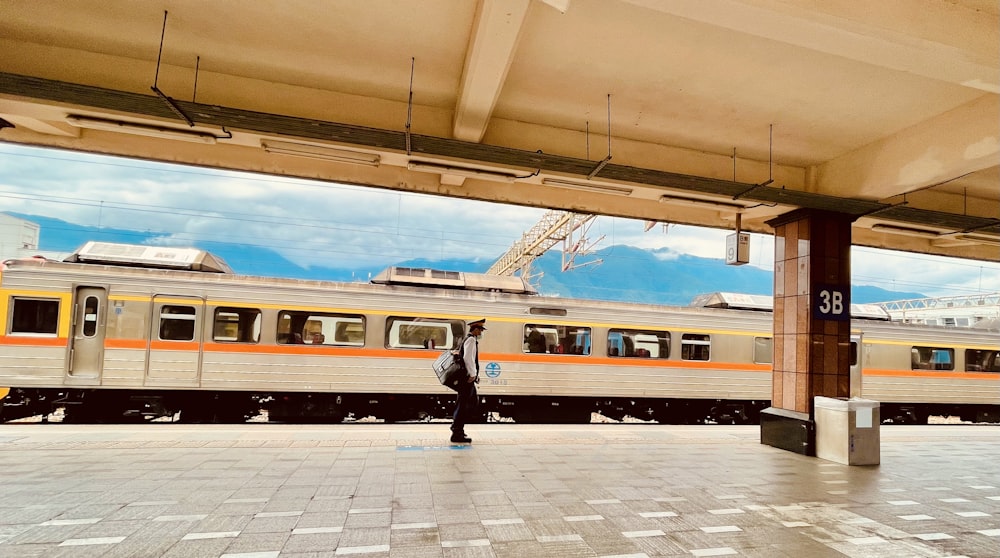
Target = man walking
(467,397)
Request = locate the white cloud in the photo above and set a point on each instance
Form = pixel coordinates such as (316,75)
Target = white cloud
(310,223)
(931,275)
(321,224)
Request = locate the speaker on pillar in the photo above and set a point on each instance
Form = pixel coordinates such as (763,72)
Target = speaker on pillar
(738,249)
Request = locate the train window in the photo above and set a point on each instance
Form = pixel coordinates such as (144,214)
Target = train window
(314,328)
(695,346)
(638,343)
(34,316)
(90,307)
(423,333)
(763,350)
(982,361)
(556,339)
(241,325)
(452,275)
(350,331)
(932,358)
(177,323)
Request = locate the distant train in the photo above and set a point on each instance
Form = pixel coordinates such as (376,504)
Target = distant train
(120,332)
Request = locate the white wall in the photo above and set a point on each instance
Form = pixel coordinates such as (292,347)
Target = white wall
(19,239)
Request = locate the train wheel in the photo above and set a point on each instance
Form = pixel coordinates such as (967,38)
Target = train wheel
(525,416)
(334,418)
(552,416)
(194,415)
(663,417)
(400,411)
(89,414)
(481,415)
(575,416)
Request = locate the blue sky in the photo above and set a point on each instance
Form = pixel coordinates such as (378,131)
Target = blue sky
(329,225)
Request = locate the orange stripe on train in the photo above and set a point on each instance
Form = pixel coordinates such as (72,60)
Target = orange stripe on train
(33,341)
(940,374)
(141,344)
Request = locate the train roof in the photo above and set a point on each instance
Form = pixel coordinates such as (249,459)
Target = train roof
(425,277)
(733,300)
(192,259)
(989,324)
(764,303)
(160,257)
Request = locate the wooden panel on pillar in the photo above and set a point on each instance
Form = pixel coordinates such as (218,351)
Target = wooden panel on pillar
(812,325)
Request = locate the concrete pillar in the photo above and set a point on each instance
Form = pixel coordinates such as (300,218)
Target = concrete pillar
(812,323)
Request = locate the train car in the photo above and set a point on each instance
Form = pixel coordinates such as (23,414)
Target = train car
(121,332)
(922,371)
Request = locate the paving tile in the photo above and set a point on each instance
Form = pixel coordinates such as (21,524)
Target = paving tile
(521,491)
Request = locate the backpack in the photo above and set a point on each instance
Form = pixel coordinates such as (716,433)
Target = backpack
(450,367)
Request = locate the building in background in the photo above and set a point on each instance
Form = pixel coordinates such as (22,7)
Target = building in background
(19,239)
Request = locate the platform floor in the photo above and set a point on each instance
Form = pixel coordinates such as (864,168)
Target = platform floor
(375,490)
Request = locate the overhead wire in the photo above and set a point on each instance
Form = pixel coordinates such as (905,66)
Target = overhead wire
(419,235)
(416,235)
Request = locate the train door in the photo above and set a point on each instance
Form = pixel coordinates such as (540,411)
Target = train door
(173,355)
(86,341)
(856,358)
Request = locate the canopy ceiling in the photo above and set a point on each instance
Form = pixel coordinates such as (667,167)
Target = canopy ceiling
(887,111)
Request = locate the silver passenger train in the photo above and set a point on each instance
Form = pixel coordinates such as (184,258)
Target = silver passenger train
(122,332)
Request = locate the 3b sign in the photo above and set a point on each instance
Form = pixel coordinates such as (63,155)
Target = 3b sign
(831,303)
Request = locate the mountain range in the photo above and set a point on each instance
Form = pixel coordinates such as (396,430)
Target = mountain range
(625,273)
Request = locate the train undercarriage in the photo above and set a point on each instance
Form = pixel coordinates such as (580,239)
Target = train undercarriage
(122,406)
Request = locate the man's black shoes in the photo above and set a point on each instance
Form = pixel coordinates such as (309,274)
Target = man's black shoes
(458,435)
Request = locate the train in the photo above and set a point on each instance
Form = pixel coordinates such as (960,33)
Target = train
(119,332)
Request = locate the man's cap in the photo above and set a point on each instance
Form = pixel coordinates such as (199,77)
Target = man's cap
(481,324)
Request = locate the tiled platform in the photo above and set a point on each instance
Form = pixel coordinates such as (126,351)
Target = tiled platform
(374,490)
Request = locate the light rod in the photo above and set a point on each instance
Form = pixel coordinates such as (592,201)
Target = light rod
(137,129)
(707,204)
(467,172)
(905,231)
(596,188)
(320,152)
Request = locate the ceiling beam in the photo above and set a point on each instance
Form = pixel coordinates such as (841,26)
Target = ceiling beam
(884,34)
(951,145)
(53,100)
(491,50)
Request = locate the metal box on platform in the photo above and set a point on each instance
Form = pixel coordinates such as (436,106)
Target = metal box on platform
(847,430)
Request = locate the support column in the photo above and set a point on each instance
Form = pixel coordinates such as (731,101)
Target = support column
(812,323)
